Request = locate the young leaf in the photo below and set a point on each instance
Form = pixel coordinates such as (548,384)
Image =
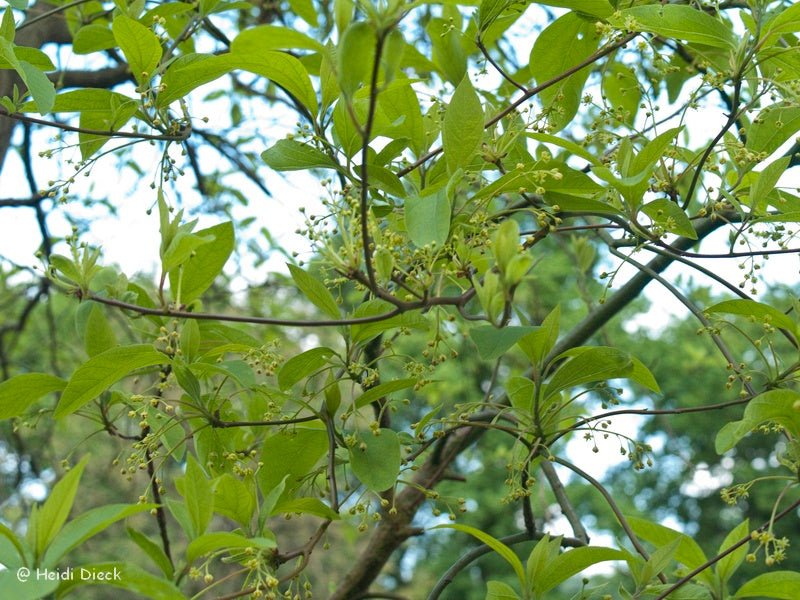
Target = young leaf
(102,371)
(19,392)
(462,129)
(315,291)
(375,460)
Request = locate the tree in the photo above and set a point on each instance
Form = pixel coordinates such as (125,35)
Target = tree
(500,181)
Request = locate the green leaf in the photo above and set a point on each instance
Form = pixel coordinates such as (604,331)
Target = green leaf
(55,511)
(757,311)
(538,343)
(772,127)
(153,550)
(102,371)
(30,589)
(427,218)
(775,406)
(572,562)
(689,552)
(784,20)
(309,506)
(211,542)
(355,57)
(728,564)
(20,392)
(462,129)
(196,491)
(93,38)
(565,43)
(126,576)
(643,376)
(504,551)
(447,52)
(290,455)
(375,460)
(384,389)
(303,365)
(12,551)
(765,182)
(34,56)
(689,591)
(98,336)
(282,69)
(140,46)
(187,380)
(594,8)
(8,27)
(654,150)
(784,585)
(87,525)
(274,37)
(200,271)
(189,72)
(589,365)
(291,155)
(182,248)
(669,215)
(190,340)
(306,10)
(99,109)
(361,332)
(497,590)
(569,146)
(677,21)
(41,88)
(492,342)
(234,499)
